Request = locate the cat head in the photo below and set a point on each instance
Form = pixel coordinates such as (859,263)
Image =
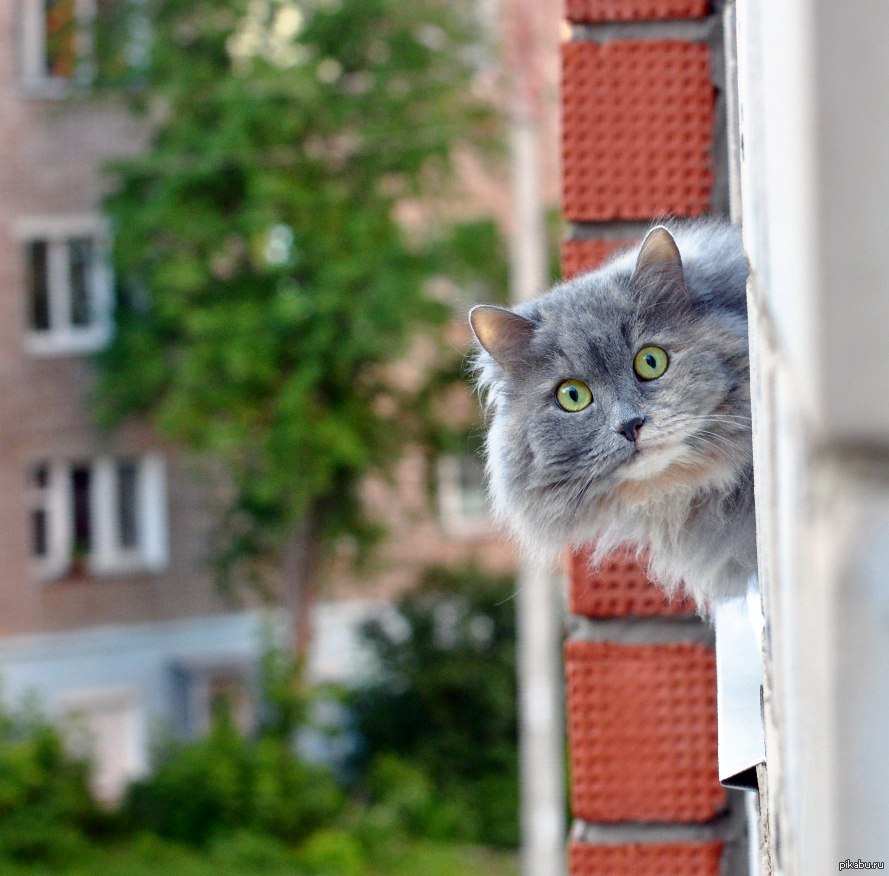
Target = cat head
(610,394)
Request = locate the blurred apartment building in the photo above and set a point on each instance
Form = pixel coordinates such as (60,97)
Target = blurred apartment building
(107,611)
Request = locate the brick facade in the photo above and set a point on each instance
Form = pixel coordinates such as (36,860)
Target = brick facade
(641,721)
(581,255)
(52,169)
(640,123)
(633,10)
(619,588)
(637,131)
(653,859)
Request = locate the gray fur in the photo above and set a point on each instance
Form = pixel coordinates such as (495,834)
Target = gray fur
(557,477)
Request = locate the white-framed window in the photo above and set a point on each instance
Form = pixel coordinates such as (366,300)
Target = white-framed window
(98,516)
(56,43)
(64,42)
(462,499)
(67,284)
(203,686)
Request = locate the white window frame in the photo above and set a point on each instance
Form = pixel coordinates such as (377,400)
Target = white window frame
(62,338)
(55,499)
(35,79)
(107,556)
(451,513)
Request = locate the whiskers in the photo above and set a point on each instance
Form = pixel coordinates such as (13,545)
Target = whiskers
(736,421)
(721,442)
(574,501)
(732,444)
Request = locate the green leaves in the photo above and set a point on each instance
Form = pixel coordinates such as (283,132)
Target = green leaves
(442,706)
(273,279)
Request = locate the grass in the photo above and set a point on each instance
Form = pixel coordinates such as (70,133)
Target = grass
(250,855)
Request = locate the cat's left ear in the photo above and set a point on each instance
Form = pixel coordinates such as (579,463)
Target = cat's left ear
(659,265)
(504,334)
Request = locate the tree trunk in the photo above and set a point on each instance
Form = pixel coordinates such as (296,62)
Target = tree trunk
(300,584)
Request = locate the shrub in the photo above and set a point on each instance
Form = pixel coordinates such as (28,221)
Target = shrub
(404,795)
(46,808)
(254,853)
(224,782)
(252,804)
(196,790)
(290,798)
(331,852)
(444,701)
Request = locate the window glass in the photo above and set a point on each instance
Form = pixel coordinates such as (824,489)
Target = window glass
(39,542)
(81,478)
(38,481)
(80,272)
(228,695)
(61,33)
(40,476)
(127,504)
(121,38)
(37,284)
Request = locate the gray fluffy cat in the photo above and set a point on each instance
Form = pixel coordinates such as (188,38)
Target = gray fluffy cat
(620,410)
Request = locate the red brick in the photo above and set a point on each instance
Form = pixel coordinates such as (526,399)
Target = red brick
(637,129)
(642,728)
(619,587)
(586,255)
(633,10)
(656,859)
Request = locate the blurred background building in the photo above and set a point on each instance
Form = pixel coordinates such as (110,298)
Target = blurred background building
(108,612)
(107,608)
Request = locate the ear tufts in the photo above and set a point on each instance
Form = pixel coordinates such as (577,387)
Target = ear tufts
(504,334)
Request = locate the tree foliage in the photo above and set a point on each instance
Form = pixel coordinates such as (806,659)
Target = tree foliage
(46,808)
(265,282)
(443,706)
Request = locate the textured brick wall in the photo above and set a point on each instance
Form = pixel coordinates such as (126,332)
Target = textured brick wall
(641,113)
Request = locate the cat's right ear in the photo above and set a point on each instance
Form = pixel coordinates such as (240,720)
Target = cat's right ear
(504,334)
(659,265)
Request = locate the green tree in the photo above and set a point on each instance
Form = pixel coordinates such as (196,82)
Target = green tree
(440,711)
(265,282)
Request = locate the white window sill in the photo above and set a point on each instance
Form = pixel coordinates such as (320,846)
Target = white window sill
(54,344)
(124,563)
(48,572)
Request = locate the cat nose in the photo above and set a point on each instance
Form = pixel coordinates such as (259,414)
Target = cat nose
(630,428)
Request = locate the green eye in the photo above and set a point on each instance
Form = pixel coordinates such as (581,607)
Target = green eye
(573,395)
(650,363)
